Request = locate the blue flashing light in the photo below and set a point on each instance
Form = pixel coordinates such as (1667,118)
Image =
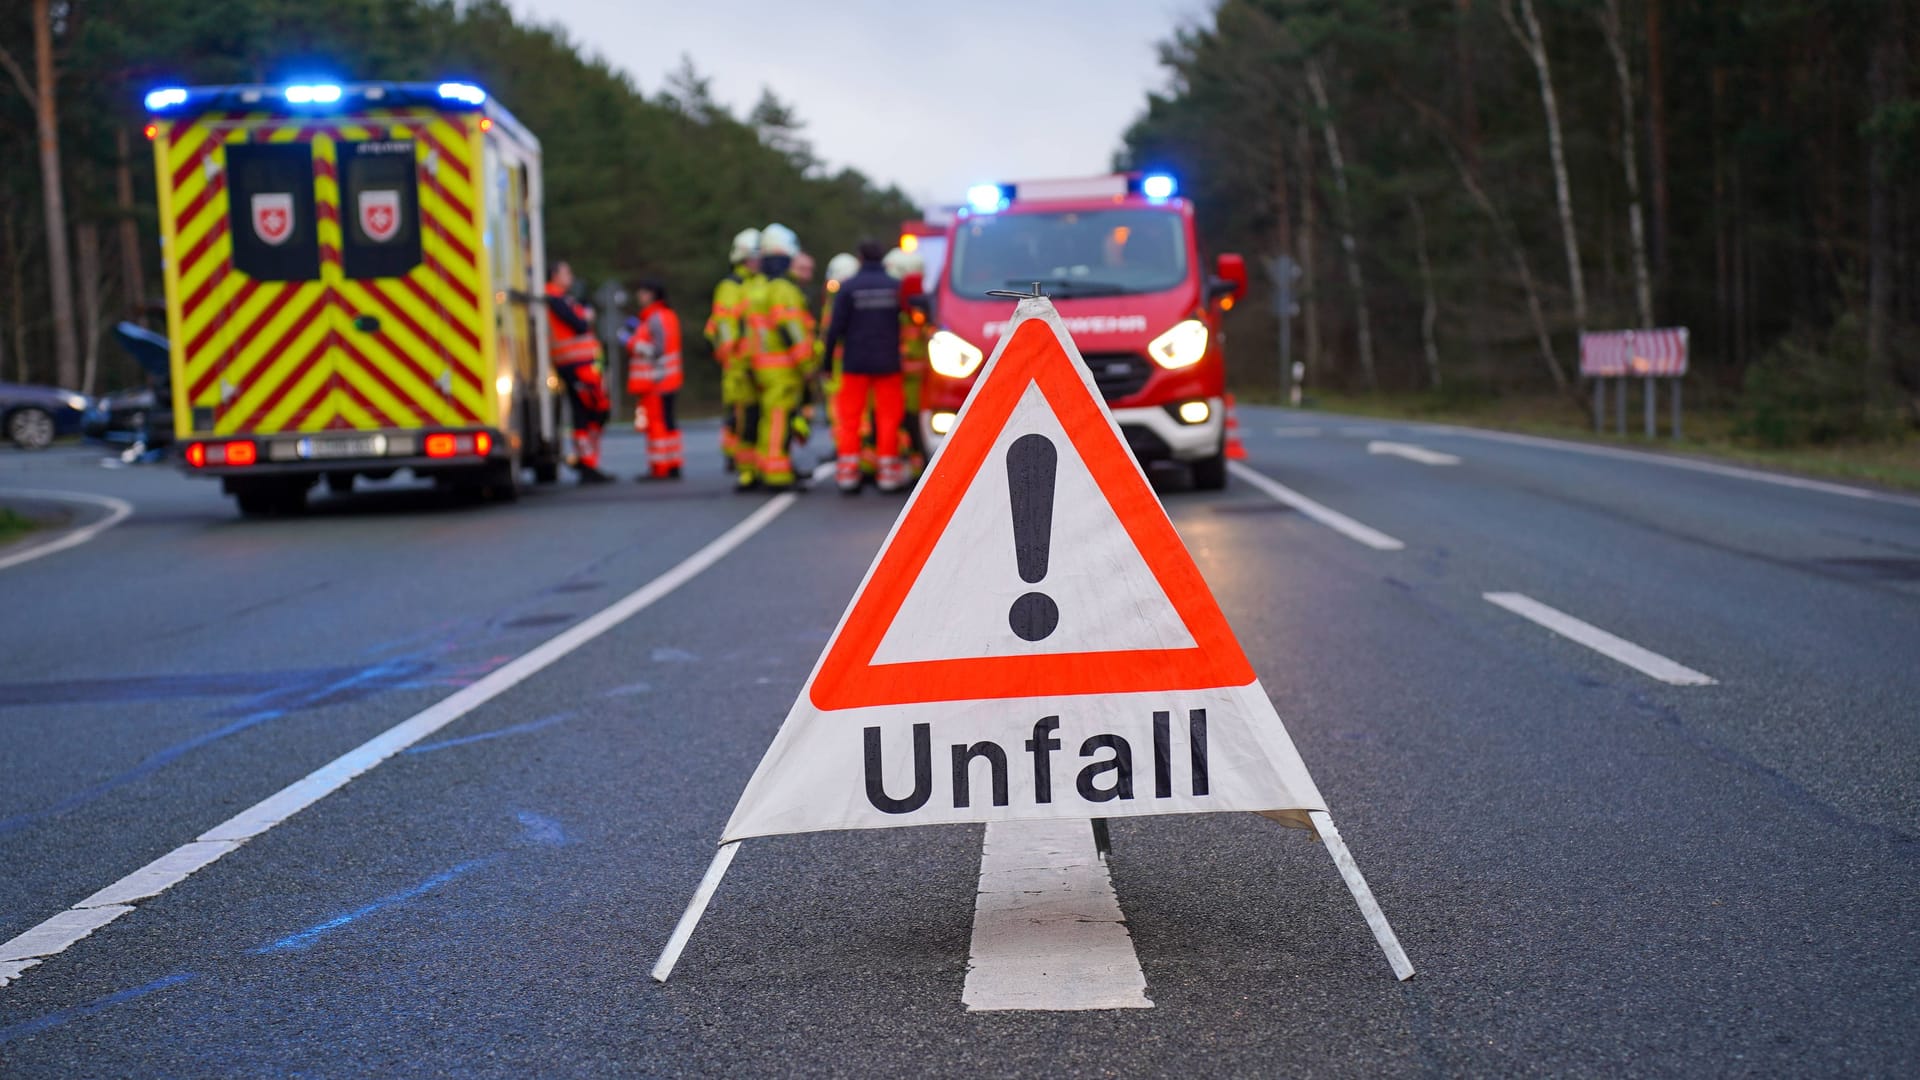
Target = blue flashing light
(312,94)
(463,92)
(165,98)
(987,198)
(1158,186)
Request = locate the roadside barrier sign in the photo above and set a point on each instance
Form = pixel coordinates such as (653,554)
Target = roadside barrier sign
(1624,354)
(1032,641)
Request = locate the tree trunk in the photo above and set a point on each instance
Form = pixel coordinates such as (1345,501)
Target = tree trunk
(1348,242)
(16,299)
(1429,306)
(1309,264)
(133,279)
(87,241)
(1533,39)
(1886,79)
(1463,78)
(66,349)
(1722,266)
(1657,137)
(1503,232)
(1636,227)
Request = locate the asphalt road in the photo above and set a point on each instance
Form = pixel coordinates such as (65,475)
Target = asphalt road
(1595,871)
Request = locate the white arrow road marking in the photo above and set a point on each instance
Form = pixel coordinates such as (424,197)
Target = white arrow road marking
(1412,453)
(1048,934)
(56,934)
(1332,519)
(1642,660)
(118,510)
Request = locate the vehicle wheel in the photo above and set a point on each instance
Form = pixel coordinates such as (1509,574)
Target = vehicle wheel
(255,504)
(503,481)
(270,499)
(1210,474)
(30,428)
(546,472)
(340,483)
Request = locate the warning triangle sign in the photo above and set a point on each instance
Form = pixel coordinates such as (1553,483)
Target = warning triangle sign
(1033,640)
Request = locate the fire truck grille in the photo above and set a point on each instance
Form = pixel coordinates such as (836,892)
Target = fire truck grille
(1119,375)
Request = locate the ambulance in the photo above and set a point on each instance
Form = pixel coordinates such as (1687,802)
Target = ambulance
(1119,258)
(354,278)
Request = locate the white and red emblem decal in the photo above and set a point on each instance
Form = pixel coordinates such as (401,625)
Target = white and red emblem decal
(273,217)
(380,214)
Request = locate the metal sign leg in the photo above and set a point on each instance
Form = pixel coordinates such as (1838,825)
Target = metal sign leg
(1363,896)
(1649,395)
(695,908)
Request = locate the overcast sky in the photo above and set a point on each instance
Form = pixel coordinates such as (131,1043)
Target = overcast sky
(932,97)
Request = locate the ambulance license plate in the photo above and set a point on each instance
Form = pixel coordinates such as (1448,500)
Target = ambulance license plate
(362,446)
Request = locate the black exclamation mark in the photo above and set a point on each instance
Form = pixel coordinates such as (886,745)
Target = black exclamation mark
(1030,467)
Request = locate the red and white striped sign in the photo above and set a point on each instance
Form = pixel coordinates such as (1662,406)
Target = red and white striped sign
(1661,352)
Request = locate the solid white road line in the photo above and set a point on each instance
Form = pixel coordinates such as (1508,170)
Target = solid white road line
(56,934)
(1047,930)
(1412,453)
(1672,462)
(1608,645)
(1332,519)
(118,510)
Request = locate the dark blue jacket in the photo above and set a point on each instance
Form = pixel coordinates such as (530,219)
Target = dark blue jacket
(866,319)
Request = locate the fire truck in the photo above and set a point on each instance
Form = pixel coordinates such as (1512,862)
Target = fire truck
(354,283)
(1118,256)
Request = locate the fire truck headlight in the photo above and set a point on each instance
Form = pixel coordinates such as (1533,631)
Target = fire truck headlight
(1182,346)
(952,357)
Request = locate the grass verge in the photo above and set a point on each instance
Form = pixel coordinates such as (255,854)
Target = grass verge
(14,525)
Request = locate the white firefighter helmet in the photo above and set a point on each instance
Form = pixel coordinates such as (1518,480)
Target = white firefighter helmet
(746,244)
(901,263)
(842,266)
(777,239)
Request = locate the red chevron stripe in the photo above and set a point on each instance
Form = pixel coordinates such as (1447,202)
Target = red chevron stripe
(215,136)
(243,332)
(366,404)
(372,371)
(459,287)
(205,337)
(192,303)
(458,326)
(285,386)
(404,358)
(446,158)
(215,232)
(214,187)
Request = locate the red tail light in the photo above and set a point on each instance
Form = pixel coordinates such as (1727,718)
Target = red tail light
(197,455)
(242,453)
(441,444)
(482,443)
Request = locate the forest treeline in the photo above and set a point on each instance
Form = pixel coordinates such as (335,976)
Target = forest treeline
(1467,184)
(636,183)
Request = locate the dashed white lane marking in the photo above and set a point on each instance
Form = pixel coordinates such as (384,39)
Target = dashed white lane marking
(1296,432)
(1412,453)
(118,510)
(1365,431)
(1048,934)
(1332,519)
(1642,660)
(59,932)
(1671,462)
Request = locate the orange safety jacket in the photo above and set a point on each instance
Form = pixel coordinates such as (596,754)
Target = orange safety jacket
(568,346)
(653,352)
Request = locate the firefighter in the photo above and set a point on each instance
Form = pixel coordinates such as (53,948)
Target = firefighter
(726,330)
(909,268)
(576,359)
(653,378)
(865,327)
(839,269)
(782,359)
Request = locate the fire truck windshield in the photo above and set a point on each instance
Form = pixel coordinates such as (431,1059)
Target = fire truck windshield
(1071,253)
